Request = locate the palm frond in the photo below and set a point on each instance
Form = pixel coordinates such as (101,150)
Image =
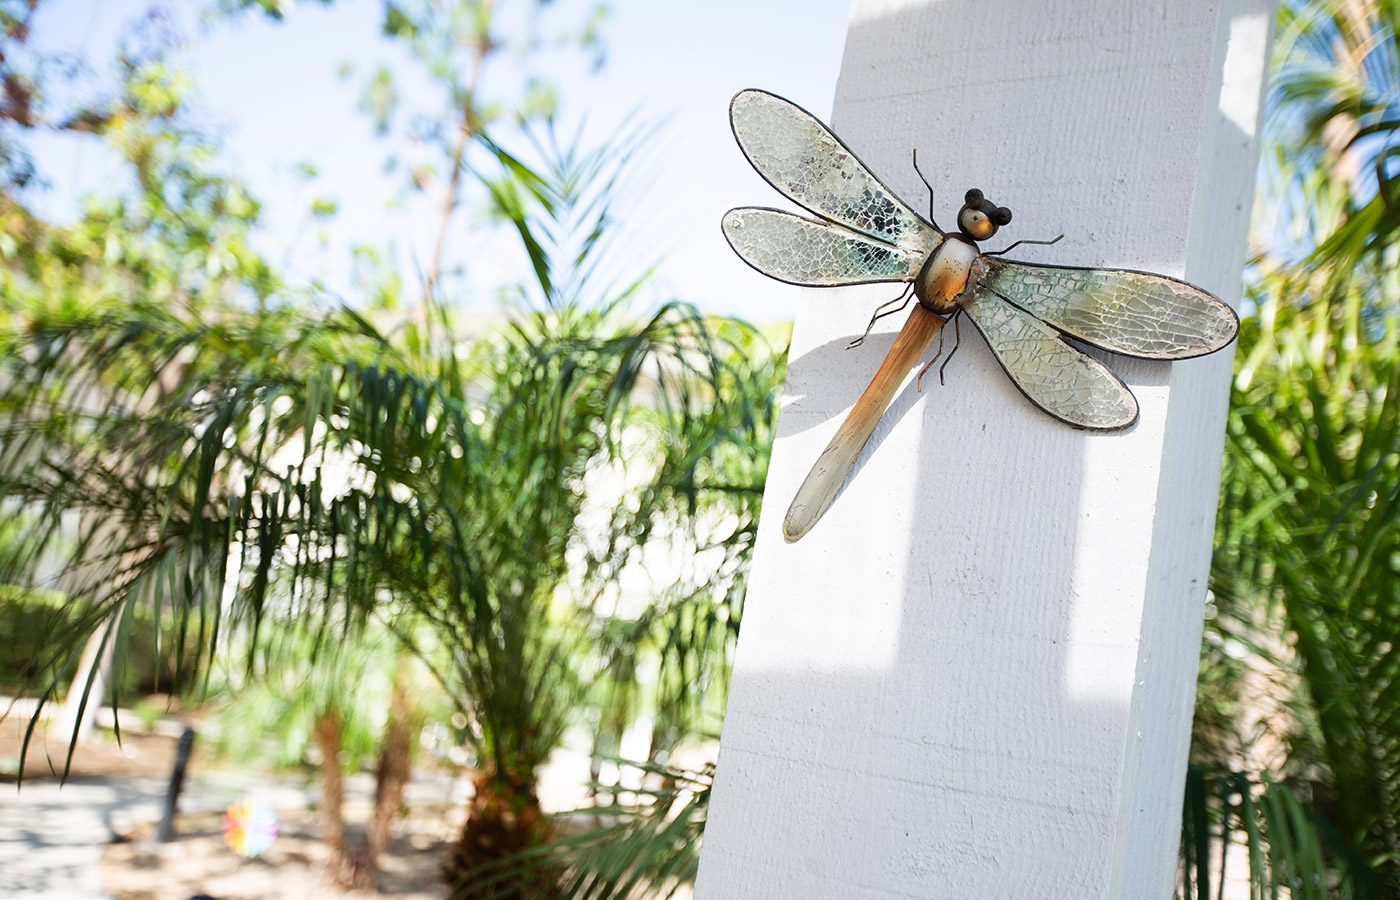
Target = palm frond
(638,841)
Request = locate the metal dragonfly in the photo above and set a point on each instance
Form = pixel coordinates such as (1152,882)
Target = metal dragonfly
(1024,310)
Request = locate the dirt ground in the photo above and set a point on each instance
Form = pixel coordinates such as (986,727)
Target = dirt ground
(136,755)
(135,867)
(294,867)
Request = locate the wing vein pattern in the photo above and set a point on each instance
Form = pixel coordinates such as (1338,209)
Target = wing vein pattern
(802,251)
(1053,375)
(1133,313)
(800,157)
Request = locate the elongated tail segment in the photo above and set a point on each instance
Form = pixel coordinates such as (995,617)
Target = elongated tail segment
(832,467)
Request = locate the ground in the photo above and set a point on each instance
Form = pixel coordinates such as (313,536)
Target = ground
(200,862)
(92,836)
(138,754)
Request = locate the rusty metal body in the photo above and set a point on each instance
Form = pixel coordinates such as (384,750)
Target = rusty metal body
(945,274)
(829,472)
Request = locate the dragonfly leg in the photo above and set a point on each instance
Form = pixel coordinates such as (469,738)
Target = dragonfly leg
(1019,243)
(957,342)
(906,295)
(919,381)
(927,185)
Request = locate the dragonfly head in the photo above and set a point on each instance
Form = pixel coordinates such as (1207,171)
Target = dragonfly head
(979,217)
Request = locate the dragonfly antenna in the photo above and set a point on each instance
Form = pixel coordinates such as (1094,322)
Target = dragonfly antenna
(927,185)
(1019,243)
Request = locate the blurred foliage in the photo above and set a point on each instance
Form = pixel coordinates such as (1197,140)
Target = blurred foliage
(273,9)
(638,841)
(266,712)
(1284,843)
(29,622)
(202,452)
(1297,733)
(1335,114)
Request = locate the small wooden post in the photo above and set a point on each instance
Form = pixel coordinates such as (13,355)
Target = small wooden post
(166,832)
(974,678)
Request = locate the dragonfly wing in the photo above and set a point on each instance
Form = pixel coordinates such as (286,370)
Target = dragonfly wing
(802,251)
(806,162)
(1133,313)
(1056,377)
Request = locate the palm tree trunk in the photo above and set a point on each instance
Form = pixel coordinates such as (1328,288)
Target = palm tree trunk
(327,732)
(394,766)
(504,818)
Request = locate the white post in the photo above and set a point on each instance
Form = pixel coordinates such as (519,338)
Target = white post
(974,677)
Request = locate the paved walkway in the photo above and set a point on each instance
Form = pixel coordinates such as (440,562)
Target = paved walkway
(51,837)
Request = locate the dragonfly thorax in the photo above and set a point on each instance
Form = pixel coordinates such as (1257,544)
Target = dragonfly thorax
(944,274)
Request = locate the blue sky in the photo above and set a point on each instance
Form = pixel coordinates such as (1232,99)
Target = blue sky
(272,93)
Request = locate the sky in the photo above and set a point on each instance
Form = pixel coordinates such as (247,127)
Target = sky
(272,93)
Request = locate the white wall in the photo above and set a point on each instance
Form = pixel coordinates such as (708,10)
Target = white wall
(973,679)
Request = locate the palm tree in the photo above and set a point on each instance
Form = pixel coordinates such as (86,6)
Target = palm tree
(172,452)
(183,434)
(335,703)
(1309,533)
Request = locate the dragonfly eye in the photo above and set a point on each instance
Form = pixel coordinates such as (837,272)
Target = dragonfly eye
(1002,216)
(973,197)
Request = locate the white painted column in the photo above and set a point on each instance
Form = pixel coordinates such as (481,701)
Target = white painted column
(974,678)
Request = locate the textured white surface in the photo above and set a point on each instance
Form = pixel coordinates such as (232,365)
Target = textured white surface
(973,678)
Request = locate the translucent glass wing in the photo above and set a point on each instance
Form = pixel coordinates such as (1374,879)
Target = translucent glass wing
(1056,377)
(1133,313)
(801,158)
(801,251)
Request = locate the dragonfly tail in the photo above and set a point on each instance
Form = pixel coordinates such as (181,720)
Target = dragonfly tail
(832,467)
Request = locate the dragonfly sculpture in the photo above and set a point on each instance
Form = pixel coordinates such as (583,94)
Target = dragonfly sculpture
(865,234)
